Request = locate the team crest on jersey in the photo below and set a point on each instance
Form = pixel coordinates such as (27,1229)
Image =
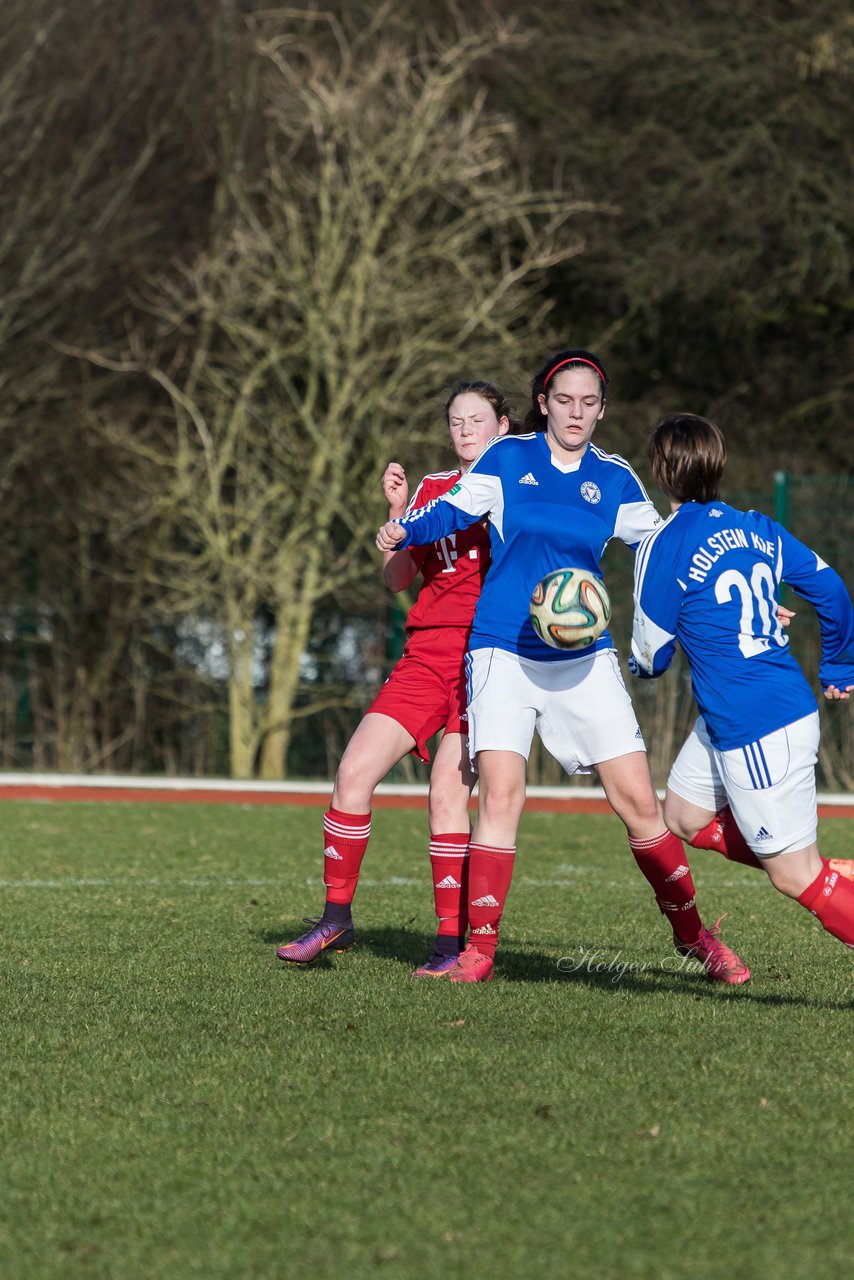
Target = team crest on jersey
(590,492)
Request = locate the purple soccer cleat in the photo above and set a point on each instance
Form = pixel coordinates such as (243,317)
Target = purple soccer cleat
(324,935)
(438,966)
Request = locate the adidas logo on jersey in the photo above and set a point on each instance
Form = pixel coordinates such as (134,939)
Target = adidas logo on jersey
(449,883)
(762,834)
(331,852)
(529,479)
(486,901)
(677,874)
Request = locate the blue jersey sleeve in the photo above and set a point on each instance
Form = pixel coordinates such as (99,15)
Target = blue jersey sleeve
(637,515)
(657,602)
(476,494)
(808,575)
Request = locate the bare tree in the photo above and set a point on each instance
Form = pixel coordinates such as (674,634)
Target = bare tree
(384,241)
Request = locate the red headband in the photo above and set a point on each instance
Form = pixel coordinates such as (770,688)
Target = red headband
(573,360)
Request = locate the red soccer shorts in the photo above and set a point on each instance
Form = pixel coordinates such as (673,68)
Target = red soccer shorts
(426,690)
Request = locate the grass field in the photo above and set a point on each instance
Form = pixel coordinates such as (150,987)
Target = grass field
(176,1103)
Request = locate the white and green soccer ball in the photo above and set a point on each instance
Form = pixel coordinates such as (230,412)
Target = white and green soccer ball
(570,608)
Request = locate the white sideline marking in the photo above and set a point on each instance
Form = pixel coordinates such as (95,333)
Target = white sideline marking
(137,783)
(53,781)
(395,882)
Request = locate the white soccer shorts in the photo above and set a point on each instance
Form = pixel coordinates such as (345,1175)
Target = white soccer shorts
(769,784)
(580,708)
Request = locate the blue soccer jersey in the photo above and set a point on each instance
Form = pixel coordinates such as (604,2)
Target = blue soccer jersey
(543,515)
(710,577)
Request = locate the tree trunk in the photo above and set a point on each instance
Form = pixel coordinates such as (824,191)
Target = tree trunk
(292,626)
(243,717)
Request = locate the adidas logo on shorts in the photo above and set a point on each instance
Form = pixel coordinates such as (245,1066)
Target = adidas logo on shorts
(486,901)
(762,834)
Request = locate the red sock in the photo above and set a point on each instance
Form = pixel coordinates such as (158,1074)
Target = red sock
(830,898)
(662,862)
(345,839)
(449,861)
(723,836)
(490,873)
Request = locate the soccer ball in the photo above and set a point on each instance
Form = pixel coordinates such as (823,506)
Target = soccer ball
(570,608)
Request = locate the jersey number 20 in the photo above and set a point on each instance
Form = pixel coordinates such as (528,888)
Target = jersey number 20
(758,596)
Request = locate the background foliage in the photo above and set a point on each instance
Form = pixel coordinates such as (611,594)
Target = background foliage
(245,251)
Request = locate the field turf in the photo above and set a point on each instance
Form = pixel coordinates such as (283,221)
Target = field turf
(177,1103)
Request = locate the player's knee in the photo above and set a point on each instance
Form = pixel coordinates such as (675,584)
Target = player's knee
(445,814)
(792,874)
(501,804)
(353,786)
(676,820)
(639,812)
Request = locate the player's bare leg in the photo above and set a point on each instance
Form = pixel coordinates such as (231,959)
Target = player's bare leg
(706,829)
(377,745)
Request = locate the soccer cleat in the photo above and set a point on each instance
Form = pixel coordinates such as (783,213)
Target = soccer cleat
(720,962)
(842,866)
(324,935)
(438,966)
(472,966)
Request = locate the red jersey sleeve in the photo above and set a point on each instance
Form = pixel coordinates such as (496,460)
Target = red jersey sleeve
(452,569)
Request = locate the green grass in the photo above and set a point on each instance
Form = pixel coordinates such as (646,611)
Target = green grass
(176,1103)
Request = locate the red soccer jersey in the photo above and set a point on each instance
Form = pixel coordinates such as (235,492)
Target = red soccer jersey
(452,568)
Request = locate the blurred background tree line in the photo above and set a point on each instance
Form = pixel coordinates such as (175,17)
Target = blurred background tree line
(244,251)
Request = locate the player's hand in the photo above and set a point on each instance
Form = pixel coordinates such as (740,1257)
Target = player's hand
(395,488)
(838,695)
(784,615)
(389,536)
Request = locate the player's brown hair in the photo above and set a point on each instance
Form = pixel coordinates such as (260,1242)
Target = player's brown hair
(687,455)
(572,358)
(488,391)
